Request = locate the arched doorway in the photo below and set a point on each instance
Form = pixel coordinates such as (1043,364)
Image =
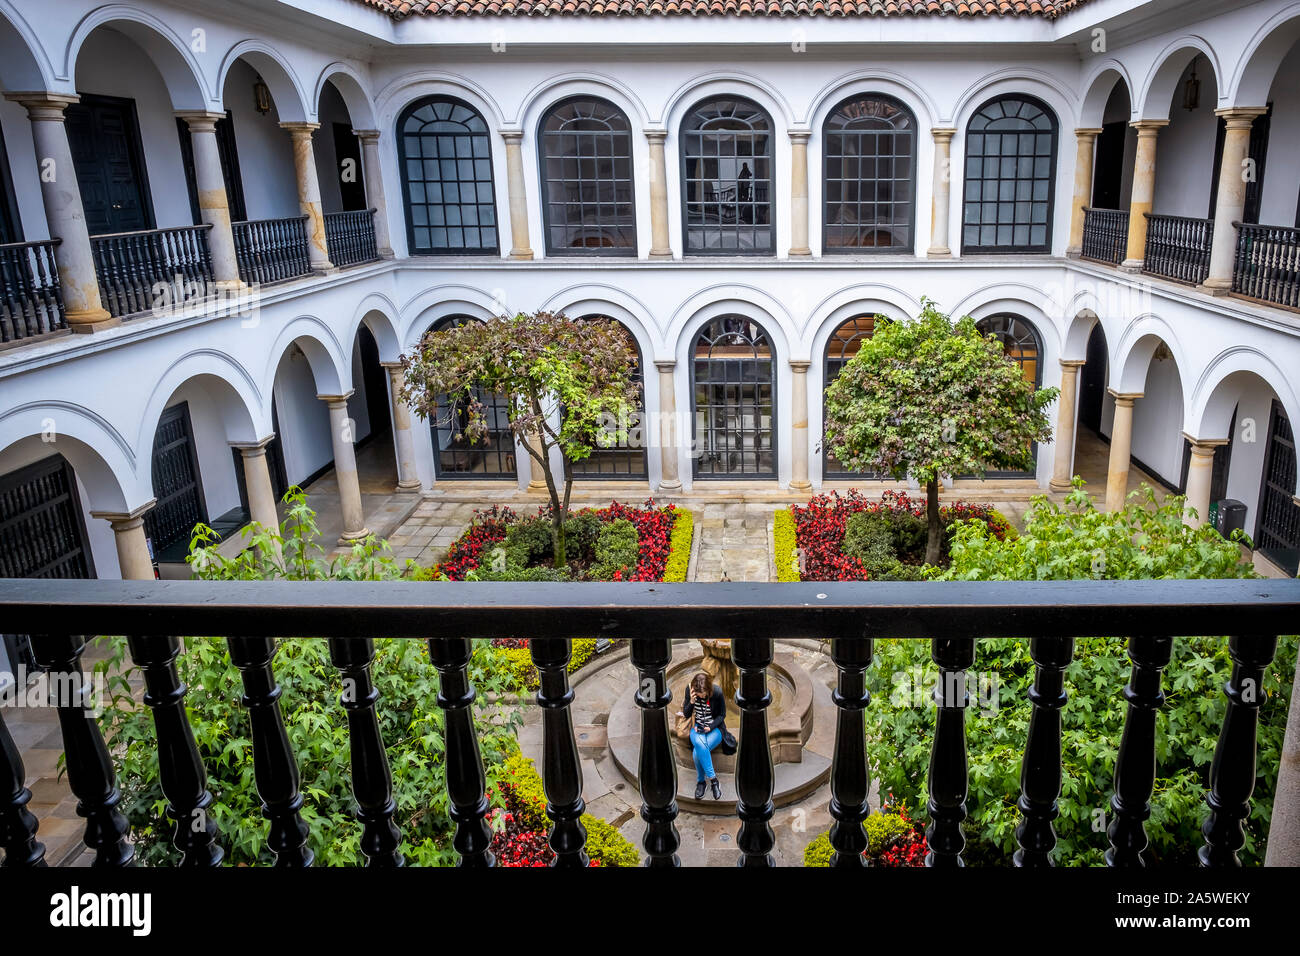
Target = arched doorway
(840,348)
(628,461)
(454,455)
(1021,341)
(733,386)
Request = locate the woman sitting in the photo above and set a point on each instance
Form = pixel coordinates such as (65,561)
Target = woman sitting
(704,702)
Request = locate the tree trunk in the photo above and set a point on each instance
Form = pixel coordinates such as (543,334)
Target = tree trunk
(934,539)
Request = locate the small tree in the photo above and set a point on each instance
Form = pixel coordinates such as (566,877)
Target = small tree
(930,397)
(549,368)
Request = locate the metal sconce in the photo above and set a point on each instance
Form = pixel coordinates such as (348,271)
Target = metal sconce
(1192,91)
(261,97)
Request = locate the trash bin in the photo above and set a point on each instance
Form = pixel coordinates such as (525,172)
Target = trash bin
(1229,516)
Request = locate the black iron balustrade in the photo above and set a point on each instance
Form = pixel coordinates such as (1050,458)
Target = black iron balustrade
(1178,248)
(1267,266)
(31,299)
(1105,235)
(350,237)
(952,616)
(271,250)
(154,268)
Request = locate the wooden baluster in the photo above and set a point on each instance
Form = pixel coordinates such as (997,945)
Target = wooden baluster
(372,780)
(755,783)
(466,782)
(1135,766)
(274,766)
(1040,769)
(17,824)
(850,780)
(657,769)
(180,768)
(1232,772)
(89,766)
(562,769)
(947,780)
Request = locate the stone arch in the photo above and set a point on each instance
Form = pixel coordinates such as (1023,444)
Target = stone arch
(1210,408)
(427,307)
(170,54)
(352,91)
(102,458)
(377,313)
(726,83)
(1077,332)
(554,89)
(24,64)
(330,370)
(690,316)
(1100,85)
(394,98)
(234,392)
(1253,76)
(277,73)
(866,82)
(1153,101)
(588,298)
(1060,100)
(1134,349)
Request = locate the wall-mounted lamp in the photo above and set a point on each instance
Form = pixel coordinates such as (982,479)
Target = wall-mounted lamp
(1192,91)
(261,97)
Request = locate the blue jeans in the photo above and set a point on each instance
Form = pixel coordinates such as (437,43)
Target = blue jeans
(702,746)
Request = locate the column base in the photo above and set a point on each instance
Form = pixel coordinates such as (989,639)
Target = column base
(521,254)
(1074,252)
(323,268)
(538,487)
(669,487)
(938,252)
(1131,265)
(387,254)
(1059,486)
(661,253)
(801,486)
(804,253)
(411,487)
(1215,286)
(349,537)
(91,320)
(229,285)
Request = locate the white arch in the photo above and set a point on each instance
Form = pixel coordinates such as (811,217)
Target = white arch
(437,302)
(1252,77)
(724,299)
(1100,85)
(862,82)
(171,55)
(1077,333)
(1156,97)
(1040,298)
(586,298)
(352,89)
(330,370)
(409,87)
(24,64)
(1132,350)
(553,89)
(1029,82)
(1213,397)
(726,83)
(101,457)
(277,73)
(1049,336)
(241,412)
(386,328)
(868,298)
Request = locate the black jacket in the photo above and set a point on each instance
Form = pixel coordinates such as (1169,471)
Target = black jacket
(717,708)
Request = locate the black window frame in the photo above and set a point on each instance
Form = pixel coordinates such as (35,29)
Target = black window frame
(829,374)
(544,137)
(644,451)
(910,246)
(1037,337)
(683,131)
(1284,556)
(1049,202)
(402,161)
(774,382)
(498,402)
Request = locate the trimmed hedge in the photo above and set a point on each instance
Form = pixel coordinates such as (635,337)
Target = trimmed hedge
(679,556)
(784,542)
(886,831)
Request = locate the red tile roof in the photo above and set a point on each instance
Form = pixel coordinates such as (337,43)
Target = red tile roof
(1049,9)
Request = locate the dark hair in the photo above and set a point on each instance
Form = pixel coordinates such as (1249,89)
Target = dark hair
(702,684)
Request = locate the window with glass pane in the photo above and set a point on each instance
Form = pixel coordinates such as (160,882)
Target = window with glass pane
(455,456)
(1010,168)
(726,147)
(842,346)
(628,461)
(586,160)
(733,381)
(445,153)
(869,147)
(1020,340)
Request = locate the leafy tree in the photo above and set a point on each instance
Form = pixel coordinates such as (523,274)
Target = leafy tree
(1077,541)
(930,397)
(549,367)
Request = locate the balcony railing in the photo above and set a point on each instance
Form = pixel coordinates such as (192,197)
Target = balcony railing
(31,300)
(1178,248)
(271,250)
(1105,235)
(952,616)
(1268,264)
(350,237)
(138,271)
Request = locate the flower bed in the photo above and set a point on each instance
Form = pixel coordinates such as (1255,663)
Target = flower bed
(820,529)
(894,839)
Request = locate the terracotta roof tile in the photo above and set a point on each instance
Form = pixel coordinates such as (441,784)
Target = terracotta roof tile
(1049,9)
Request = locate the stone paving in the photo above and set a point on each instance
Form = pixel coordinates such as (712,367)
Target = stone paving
(735,542)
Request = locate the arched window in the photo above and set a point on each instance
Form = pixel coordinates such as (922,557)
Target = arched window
(445,154)
(1020,340)
(628,461)
(1010,170)
(869,166)
(726,147)
(840,347)
(454,455)
(733,383)
(586,166)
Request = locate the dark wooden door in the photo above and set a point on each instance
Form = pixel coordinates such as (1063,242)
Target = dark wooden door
(1109,175)
(176,485)
(104,136)
(352,187)
(225,132)
(1277,534)
(11,226)
(376,384)
(1258,152)
(1092,388)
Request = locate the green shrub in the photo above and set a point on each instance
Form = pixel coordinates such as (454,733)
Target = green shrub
(679,547)
(819,851)
(517,662)
(883,830)
(515,573)
(869,537)
(617,549)
(526,541)
(784,542)
(581,532)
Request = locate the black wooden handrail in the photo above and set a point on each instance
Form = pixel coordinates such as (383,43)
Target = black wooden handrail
(31,299)
(1266,266)
(1105,235)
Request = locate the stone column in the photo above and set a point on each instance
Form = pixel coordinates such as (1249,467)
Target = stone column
(1085,155)
(1144,191)
(304,168)
(372,171)
(214,205)
(518,194)
(83,309)
(1230,202)
(345,468)
(799,408)
(257,482)
(1066,415)
(660,247)
(799,194)
(1200,474)
(939,200)
(1121,449)
(537,470)
(133,559)
(408,480)
(669,480)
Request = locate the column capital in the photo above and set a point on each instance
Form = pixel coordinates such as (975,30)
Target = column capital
(1087,132)
(366,135)
(200,121)
(126,520)
(1149,126)
(1072,363)
(665,365)
(42,104)
(512,134)
(1206,443)
(799,365)
(339,399)
(799,134)
(392,365)
(1126,398)
(300,127)
(1240,117)
(655,133)
(943,133)
(255,447)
